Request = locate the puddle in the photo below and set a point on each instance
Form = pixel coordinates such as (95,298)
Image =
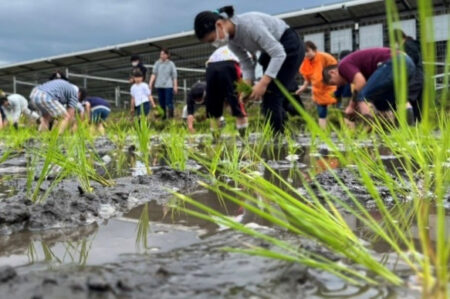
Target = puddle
(183,256)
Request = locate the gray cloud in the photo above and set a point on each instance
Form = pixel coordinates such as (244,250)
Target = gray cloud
(32,29)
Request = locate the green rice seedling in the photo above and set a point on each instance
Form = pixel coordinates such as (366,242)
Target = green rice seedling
(176,154)
(31,166)
(50,152)
(143,228)
(143,140)
(243,88)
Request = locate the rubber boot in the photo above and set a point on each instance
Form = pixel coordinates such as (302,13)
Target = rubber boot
(171,113)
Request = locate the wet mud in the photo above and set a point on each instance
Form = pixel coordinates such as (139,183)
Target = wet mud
(67,207)
(201,270)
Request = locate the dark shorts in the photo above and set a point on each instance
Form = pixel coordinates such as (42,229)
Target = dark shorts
(221,78)
(322,110)
(99,113)
(380,89)
(143,109)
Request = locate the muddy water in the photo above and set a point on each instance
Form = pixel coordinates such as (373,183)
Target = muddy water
(183,257)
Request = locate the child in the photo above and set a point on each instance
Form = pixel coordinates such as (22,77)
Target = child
(51,98)
(13,106)
(281,48)
(141,95)
(96,109)
(311,69)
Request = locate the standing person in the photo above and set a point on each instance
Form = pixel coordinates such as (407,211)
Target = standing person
(165,79)
(311,70)
(96,109)
(412,48)
(13,106)
(281,52)
(51,98)
(136,62)
(141,95)
(370,71)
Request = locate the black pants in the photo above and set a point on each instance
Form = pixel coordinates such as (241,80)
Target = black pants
(415,94)
(272,105)
(221,78)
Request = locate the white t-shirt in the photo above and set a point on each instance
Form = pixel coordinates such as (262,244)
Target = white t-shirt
(140,92)
(222,54)
(17,105)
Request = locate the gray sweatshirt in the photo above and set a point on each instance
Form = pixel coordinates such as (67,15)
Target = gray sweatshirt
(165,73)
(258,32)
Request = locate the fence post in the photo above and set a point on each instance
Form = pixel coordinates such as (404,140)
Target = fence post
(185,90)
(117,96)
(14,85)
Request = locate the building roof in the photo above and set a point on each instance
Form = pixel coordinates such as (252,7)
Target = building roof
(186,50)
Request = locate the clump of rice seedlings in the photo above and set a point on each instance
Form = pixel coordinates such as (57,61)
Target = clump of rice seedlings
(143,228)
(176,154)
(143,140)
(243,88)
(49,153)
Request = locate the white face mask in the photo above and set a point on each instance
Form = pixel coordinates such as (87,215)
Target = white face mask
(134,63)
(221,42)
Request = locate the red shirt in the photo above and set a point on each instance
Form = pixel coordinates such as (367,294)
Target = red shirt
(363,61)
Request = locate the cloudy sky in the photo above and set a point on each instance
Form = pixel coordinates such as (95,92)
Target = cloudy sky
(32,29)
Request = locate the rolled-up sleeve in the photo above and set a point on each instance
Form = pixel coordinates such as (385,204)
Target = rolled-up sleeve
(274,49)
(248,68)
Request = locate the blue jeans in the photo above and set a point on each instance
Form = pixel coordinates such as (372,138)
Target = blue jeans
(165,98)
(380,89)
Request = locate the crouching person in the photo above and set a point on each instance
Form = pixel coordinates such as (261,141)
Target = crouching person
(13,106)
(371,74)
(96,110)
(52,98)
(198,96)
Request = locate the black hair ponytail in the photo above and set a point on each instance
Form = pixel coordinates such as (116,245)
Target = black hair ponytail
(229,10)
(205,21)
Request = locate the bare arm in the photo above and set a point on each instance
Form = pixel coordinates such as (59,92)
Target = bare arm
(303,87)
(132,105)
(190,123)
(175,85)
(88,111)
(152,101)
(152,80)
(358,84)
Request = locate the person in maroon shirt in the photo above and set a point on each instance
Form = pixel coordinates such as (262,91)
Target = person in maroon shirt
(371,74)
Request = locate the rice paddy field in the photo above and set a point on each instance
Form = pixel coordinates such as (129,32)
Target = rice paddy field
(149,210)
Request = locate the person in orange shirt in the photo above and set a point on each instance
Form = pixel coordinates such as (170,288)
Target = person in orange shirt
(311,70)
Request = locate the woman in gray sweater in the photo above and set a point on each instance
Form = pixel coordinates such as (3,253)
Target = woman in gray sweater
(281,49)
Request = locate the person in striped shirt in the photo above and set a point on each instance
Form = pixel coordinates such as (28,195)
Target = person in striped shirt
(55,99)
